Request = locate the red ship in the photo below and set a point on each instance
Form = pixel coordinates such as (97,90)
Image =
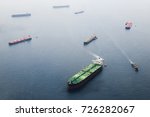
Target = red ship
(128,25)
(20,40)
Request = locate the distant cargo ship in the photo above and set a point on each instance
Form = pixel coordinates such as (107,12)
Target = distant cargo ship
(90,39)
(86,74)
(21,15)
(79,12)
(20,40)
(62,6)
(128,25)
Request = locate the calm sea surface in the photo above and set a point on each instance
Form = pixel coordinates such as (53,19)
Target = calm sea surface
(39,69)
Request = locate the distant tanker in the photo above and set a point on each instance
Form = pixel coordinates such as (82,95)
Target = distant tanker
(21,15)
(89,72)
(90,39)
(20,40)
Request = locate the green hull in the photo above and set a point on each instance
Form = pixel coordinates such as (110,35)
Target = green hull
(85,74)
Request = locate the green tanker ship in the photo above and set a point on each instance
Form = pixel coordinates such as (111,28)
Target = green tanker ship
(85,74)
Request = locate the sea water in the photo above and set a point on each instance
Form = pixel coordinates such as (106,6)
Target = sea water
(40,68)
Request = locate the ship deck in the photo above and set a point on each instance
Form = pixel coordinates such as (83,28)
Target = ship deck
(84,73)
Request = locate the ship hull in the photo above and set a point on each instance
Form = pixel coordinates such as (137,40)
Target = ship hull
(83,82)
(135,67)
(79,12)
(87,42)
(127,27)
(21,15)
(12,43)
(65,6)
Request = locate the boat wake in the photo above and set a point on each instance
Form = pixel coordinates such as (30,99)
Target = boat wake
(93,54)
(133,65)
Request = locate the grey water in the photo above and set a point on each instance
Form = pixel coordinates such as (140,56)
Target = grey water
(39,69)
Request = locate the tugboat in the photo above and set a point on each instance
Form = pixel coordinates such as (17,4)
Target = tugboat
(20,40)
(134,65)
(128,25)
(86,74)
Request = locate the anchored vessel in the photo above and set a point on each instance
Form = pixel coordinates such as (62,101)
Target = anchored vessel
(79,12)
(90,71)
(128,25)
(63,6)
(21,15)
(20,40)
(90,39)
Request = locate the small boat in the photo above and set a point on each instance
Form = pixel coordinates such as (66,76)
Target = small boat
(20,40)
(62,6)
(79,12)
(90,39)
(135,66)
(128,25)
(21,15)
